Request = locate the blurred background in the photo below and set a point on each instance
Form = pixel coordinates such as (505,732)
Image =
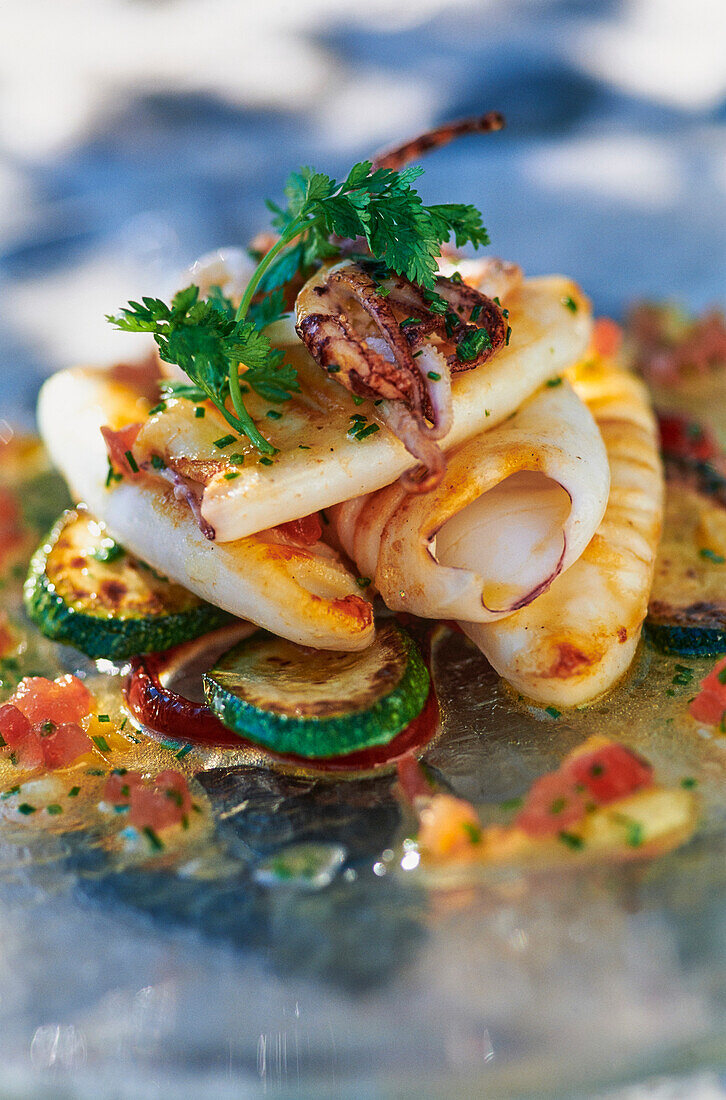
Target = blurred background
(137,134)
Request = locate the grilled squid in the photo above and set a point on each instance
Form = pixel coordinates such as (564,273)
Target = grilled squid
(515,508)
(292,586)
(393,342)
(577,640)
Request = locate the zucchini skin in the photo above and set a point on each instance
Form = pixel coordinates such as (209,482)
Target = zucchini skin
(686,641)
(679,624)
(335,735)
(103,635)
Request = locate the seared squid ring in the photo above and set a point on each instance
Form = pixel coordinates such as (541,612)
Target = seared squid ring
(577,640)
(515,508)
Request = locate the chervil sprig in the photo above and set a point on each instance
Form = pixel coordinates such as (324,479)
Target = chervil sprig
(208,345)
(209,339)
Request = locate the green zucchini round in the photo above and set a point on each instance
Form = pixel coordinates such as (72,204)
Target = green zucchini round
(687,609)
(315,703)
(83,589)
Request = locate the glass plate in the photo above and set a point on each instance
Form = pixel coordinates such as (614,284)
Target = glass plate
(294,948)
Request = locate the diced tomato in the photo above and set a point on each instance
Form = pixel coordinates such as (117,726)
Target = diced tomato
(686,438)
(553,804)
(609,773)
(449,825)
(709,706)
(412,778)
(166,801)
(607,336)
(119,785)
(305,531)
(62,744)
(20,737)
(119,445)
(714,684)
(66,699)
(9,510)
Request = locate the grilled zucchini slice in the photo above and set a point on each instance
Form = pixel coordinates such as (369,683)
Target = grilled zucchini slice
(687,610)
(85,590)
(316,703)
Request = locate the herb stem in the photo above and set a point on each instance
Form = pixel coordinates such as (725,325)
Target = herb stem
(290,233)
(246,423)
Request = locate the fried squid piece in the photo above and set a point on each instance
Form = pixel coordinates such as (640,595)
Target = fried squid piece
(575,641)
(516,507)
(389,340)
(277,579)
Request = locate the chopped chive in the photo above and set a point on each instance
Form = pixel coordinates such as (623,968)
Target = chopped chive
(184,752)
(475,313)
(509,333)
(362,582)
(510,804)
(231,475)
(711,555)
(570,303)
(25,808)
(456,278)
(160,408)
(101,743)
(303,447)
(417,353)
(131,461)
(496,299)
(273,414)
(552,382)
(359,418)
(266,461)
(572,840)
(472,344)
(47,728)
(54,808)
(370,430)
(472,831)
(558,805)
(553,712)
(357,400)
(119,771)
(95,771)
(236,459)
(103,718)
(333,368)
(9,792)
(158,462)
(487,412)
(410,321)
(379,401)
(634,834)
(153,838)
(224,441)
(434,376)
(721,676)
(688,782)
(123,723)
(200,412)
(74,792)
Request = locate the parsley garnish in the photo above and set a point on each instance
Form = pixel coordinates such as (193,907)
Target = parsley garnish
(209,339)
